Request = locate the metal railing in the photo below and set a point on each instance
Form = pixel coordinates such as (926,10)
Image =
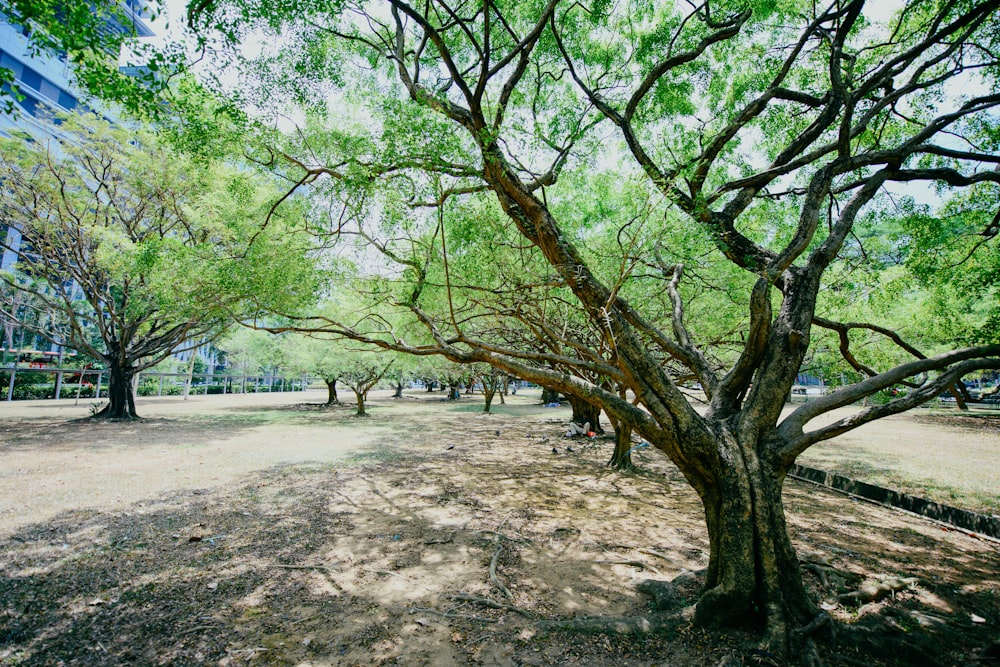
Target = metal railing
(92,383)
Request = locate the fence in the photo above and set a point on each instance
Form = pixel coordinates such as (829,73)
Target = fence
(92,383)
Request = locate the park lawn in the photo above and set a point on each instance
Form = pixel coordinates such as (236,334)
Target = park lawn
(247,532)
(939,455)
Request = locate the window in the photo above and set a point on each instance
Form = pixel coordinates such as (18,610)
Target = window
(31,78)
(66,101)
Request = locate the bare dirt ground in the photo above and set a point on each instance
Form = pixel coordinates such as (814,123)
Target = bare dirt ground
(262,530)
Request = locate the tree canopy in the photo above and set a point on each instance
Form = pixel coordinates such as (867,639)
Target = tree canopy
(764,136)
(616,200)
(134,250)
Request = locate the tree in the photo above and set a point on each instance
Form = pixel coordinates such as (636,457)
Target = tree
(134,251)
(252,352)
(319,357)
(362,370)
(771,166)
(494,381)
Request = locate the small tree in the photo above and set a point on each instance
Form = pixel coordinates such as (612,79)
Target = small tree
(362,370)
(318,357)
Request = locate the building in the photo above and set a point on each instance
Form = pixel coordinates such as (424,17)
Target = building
(45,83)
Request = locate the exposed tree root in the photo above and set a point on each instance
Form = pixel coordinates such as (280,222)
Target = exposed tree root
(620,625)
(631,563)
(493,571)
(877,591)
(320,568)
(491,604)
(798,634)
(445,614)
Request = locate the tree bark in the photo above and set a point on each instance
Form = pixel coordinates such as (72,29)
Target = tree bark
(621,458)
(753,572)
(121,399)
(360,396)
(331,392)
(549,395)
(488,393)
(584,412)
(398,393)
(454,392)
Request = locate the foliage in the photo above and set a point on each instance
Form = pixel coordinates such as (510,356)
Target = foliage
(132,250)
(91,35)
(466,149)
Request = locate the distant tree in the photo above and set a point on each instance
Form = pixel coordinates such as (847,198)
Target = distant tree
(315,356)
(135,251)
(363,369)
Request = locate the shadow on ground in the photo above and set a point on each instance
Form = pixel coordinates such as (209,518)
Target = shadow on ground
(446,545)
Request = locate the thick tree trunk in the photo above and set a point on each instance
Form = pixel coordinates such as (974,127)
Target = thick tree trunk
(398,393)
(121,399)
(753,572)
(454,392)
(488,393)
(584,412)
(550,395)
(621,458)
(331,392)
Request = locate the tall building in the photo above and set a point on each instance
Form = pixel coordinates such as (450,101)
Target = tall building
(45,80)
(45,84)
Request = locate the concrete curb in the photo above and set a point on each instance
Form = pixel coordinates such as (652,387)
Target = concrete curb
(964,519)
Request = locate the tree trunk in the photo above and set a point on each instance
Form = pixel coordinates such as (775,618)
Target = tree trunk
(584,412)
(454,392)
(961,396)
(753,572)
(621,458)
(488,393)
(549,395)
(331,392)
(121,399)
(360,396)
(398,393)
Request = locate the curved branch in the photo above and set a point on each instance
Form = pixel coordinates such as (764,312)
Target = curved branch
(791,429)
(911,400)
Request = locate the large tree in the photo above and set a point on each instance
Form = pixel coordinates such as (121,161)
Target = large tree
(768,128)
(134,250)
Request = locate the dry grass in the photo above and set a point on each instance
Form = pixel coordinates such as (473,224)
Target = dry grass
(320,539)
(939,455)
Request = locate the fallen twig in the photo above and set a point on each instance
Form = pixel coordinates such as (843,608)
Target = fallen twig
(521,539)
(446,540)
(486,602)
(389,573)
(321,568)
(445,614)
(197,628)
(496,558)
